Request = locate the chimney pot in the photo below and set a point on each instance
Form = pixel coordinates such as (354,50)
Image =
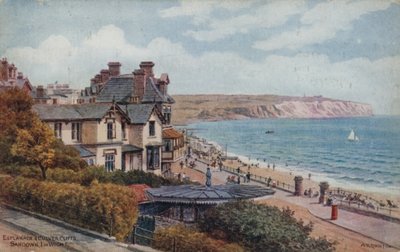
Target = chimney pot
(40,91)
(147,66)
(105,75)
(114,68)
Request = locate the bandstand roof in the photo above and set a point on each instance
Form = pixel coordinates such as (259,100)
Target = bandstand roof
(198,194)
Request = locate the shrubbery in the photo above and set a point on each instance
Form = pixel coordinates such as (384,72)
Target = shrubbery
(106,208)
(261,228)
(179,238)
(87,175)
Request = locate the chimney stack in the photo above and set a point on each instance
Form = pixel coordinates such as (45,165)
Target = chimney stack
(105,75)
(97,77)
(147,66)
(139,83)
(4,69)
(92,81)
(20,76)
(163,83)
(114,68)
(40,92)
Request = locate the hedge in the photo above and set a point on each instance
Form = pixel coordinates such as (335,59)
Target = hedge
(86,175)
(106,208)
(179,238)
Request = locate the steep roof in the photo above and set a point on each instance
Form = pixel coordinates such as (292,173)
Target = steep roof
(118,88)
(71,112)
(153,94)
(122,87)
(138,113)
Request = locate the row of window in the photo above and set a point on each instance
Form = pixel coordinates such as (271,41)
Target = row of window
(76,130)
(153,159)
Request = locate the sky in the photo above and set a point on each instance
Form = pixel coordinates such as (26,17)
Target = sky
(347,50)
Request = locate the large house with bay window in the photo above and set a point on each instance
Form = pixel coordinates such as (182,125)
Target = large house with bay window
(124,137)
(140,87)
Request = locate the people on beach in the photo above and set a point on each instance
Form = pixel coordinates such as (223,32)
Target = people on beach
(238,180)
(181,164)
(269,181)
(238,170)
(273,166)
(309,176)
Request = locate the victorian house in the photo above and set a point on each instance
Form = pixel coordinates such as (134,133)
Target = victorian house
(139,87)
(120,137)
(10,78)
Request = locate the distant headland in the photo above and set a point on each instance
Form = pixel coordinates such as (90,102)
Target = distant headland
(194,108)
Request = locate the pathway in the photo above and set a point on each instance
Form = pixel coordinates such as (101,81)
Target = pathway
(69,240)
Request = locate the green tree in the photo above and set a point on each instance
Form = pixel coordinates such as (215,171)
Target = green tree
(67,157)
(261,228)
(15,113)
(36,145)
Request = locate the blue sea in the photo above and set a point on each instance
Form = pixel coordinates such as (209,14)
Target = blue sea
(319,147)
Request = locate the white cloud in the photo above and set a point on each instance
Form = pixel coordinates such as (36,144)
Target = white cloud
(321,23)
(212,72)
(267,16)
(200,11)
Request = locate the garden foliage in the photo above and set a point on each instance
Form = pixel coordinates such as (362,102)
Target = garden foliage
(180,238)
(106,208)
(261,228)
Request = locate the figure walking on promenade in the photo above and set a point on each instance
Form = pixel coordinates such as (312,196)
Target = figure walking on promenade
(248,177)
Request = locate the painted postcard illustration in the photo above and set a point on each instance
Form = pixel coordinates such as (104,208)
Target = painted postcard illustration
(199,125)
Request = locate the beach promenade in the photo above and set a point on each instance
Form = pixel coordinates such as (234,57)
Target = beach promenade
(386,233)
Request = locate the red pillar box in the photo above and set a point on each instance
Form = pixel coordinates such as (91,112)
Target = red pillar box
(334,214)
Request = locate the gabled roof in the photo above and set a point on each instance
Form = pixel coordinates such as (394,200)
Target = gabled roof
(121,88)
(89,111)
(152,94)
(140,113)
(118,88)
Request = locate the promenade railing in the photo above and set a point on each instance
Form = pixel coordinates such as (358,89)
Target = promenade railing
(268,181)
(349,199)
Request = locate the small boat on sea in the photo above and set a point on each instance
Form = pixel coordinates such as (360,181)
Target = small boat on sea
(352,136)
(269,132)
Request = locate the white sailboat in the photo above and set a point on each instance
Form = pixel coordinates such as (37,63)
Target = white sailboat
(352,136)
